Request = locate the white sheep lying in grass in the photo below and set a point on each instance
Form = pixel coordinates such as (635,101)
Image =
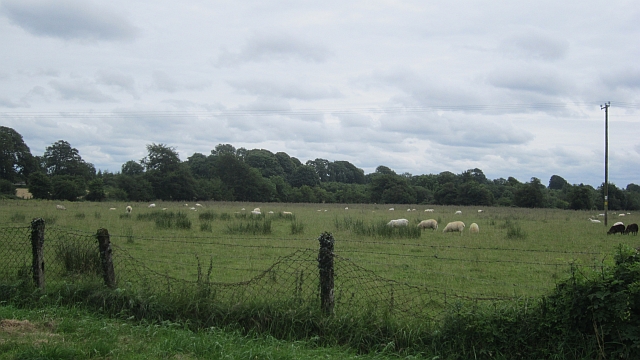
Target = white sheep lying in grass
(128,209)
(474,228)
(428,224)
(398,222)
(288,213)
(61,207)
(428,210)
(152,205)
(458,212)
(454,226)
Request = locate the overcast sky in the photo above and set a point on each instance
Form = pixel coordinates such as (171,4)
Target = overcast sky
(511,87)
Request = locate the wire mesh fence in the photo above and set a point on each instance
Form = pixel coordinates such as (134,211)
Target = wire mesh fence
(294,278)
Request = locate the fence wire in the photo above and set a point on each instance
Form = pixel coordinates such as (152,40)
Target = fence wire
(72,257)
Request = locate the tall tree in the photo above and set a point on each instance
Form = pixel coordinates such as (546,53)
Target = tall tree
(161,157)
(132,168)
(62,159)
(265,161)
(557,182)
(530,195)
(16,161)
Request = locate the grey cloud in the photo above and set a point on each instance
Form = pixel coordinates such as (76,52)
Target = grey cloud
(4,102)
(118,80)
(627,79)
(284,90)
(68,19)
(273,47)
(80,90)
(535,46)
(528,79)
(163,82)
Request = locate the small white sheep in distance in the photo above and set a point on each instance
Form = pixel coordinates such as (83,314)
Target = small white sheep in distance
(254,212)
(428,210)
(428,224)
(480,210)
(454,226)
(61,207)
(398,222)
(199,205)
(621,215)
(458,212)
(595,221)
(256,209)
(391,209)
(112,208)
(288,213)
(474,228)
(129,209)
(152,205)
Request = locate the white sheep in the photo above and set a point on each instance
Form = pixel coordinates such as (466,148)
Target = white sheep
(458,212)
(254,212)
(199,205)
(480,210)
(152,205)
(61,207)
(391,209)
(256,209)
(288,213)
(621,215)
(454,226)
(428,210)
(595,221)
(346,208)
(112,208)
(474,228)
(128,209)
(398,222)
(428,224)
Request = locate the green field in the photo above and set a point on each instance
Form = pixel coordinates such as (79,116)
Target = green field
(518,252)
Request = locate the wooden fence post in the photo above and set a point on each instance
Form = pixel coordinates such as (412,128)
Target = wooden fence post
(37,244)
(104,244)
(325,264)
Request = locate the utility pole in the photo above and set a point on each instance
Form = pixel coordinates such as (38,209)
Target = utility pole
(606,159)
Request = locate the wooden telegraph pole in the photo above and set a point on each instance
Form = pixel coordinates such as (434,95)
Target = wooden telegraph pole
(605,107)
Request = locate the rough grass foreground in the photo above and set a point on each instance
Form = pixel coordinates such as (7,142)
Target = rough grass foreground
(588,316)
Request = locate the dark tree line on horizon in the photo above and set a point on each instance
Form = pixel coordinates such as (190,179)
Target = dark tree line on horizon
(258,175)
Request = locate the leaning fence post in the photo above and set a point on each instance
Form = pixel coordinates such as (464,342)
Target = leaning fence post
(104,244)
(325,264)
(37,244)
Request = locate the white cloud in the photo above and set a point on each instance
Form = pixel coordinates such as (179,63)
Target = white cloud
(68,19)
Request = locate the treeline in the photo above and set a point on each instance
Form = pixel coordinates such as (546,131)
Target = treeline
(231,174)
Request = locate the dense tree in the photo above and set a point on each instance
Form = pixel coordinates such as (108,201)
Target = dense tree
(224,149)
(447,194)
(321,167)
(245,182)
(136,188)
(62,159)
(304,175)
(345,172)
(287,163)
(265,161)
(7,187)
(39,185)
(581,197)
(132,168)
(200,166)
(530,195)
(96,190)
(161,157)
(473,193)
(16,161)
(557,182)
(67,187)
(384,170)
(389,188)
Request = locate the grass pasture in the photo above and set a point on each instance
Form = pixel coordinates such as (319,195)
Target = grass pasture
(518,252)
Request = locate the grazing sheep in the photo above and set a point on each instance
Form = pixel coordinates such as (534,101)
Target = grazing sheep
(428,224)
(595,221)
(152,205)
(428,210)
(474,228)
(256,209)
(112,208)
(288,213)
(242,209)
(199,205)
(616,229)
(458,212)
(621,215)
(631,228)
(61,207)
(346,208)
(480,211)
(454,226)
(618,223)
(270,212)
(391,209)
(398,222)
(128,209)
(254,212)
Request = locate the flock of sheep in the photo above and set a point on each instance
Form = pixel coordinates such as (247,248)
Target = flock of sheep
(454,226)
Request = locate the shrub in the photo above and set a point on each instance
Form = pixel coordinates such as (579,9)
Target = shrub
(78,258)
